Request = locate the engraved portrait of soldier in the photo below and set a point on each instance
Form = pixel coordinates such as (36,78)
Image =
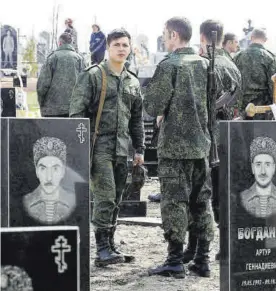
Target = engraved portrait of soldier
(49,203)
(8,48)
(260,199)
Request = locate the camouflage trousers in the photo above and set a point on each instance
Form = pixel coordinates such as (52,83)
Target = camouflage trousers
(108,182)
(185,203)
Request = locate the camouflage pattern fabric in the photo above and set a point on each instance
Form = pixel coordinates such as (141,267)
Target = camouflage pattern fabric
(178,91)
(256,65)
(57,79)
(228,79)
(227,54)
(122,112)
(185,199)
(108,178)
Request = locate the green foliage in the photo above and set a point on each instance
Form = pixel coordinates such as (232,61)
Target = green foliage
(29,56)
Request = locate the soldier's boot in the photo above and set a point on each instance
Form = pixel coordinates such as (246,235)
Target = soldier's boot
(105,256)
(128,258)
(173,266)
(190,251)
(201,261)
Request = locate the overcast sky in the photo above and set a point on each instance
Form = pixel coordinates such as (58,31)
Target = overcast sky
(142,16)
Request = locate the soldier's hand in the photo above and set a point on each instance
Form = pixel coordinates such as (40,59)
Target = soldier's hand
(138,159)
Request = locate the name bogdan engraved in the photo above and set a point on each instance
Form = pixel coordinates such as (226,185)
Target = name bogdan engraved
(257,233)
(260,266)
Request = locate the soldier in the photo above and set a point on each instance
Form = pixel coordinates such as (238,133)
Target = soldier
(178,92)
(228,79)
(230,45)
(57,79)
(260,199)
(121,118)
(49,203)
(256,65)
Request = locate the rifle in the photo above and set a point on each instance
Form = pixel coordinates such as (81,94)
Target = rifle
(211,102)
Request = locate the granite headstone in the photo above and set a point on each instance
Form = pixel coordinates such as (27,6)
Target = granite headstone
(248,206)
(48,172)
(8,47)
(40,258)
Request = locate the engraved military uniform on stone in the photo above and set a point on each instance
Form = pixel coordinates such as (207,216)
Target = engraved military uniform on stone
(47,164)
(35,258)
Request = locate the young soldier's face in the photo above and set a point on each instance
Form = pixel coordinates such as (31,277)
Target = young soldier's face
(119,49)
(263,168)
(50,171)
(234,45)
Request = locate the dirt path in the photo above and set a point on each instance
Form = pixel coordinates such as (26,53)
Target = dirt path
(149,248)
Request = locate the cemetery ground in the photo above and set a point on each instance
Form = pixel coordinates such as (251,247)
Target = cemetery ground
(145,242)
(149,247)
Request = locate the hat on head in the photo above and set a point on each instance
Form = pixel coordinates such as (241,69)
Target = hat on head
(49,146)
(263,145)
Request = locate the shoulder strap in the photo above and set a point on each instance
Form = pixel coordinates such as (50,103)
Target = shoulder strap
(101,103)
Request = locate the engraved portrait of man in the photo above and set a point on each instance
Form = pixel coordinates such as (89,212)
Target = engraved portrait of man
(8,48)
(49,203)
(260,199)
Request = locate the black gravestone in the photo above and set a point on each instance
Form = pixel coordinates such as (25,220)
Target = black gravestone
(48,172)
(4,172)
(8,102)
(248,207)
(8,47)
(40,259)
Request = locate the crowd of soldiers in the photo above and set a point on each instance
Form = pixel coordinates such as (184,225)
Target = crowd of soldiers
(110,96)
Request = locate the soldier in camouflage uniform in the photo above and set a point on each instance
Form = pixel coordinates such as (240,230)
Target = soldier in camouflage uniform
(121,119)
(228,79)
(230,45)
(178,92)
(256,65)
(57,79)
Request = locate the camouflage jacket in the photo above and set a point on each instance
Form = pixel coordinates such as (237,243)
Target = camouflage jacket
(178,90)
(57,79)
(122,112)
(256,65)
(227,54)
(228,79)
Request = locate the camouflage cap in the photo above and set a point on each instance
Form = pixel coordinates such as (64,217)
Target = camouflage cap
(49,146)
(263,145)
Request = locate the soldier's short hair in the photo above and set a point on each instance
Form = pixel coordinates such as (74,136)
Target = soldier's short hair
(182,26)
(65,38)
(263,145)
(259,33)
(117,33)
(49,146)
(210,25)
(228,37)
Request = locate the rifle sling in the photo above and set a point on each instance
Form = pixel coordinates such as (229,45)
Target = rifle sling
(100,109)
